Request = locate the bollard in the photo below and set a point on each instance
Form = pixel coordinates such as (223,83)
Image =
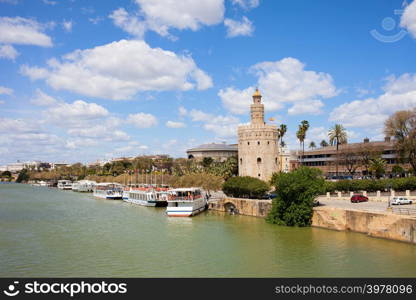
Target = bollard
(392,193)
(407,193)
(365,193)
(378,196)
(339,194)
(328,195)
(351,194)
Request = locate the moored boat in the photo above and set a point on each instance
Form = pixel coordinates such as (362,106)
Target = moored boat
(147,197)
(65,184)
(185,202)
(83,186)
(108,190)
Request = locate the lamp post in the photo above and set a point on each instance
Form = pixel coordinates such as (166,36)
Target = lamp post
(389,189)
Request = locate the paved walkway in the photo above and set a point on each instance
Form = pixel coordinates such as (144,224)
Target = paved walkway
(366,206)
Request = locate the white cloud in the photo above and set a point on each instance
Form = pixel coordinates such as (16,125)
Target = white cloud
(182,111)
(408,19)
(142,120)
(399,94)
(43,99)
(237,101)
(281,82)
(246,4)
(67,25)
(99,132)
(34,73)
(172,124)
(48,2)
(75,114)
(91,72)
(23,31)
(162,15)
(222,126)
(5,91)
(129,23)
(236,28)
(312,107)
(2,101)
(8,52)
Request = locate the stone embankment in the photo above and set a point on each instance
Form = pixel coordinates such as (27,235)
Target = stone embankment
(381,224)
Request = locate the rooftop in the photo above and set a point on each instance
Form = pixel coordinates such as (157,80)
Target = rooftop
(214,147)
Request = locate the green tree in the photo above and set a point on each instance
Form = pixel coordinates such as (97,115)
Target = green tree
(207,161)
(337,136)
(312,145)
(281,131)
(7,174)
(377,167)
(245,187)
(324,144)
(296,192)
(23,176)
(397,170)
(301,135)
(402,126)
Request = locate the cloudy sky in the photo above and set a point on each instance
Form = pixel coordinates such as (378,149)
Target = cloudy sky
(83,80)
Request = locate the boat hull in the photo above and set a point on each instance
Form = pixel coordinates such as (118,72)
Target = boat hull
(186,211)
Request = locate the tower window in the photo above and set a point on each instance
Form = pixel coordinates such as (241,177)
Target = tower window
(275,160)
(258,160)
(241,161)
(248,143)
(259,175)
(258,143)
(268,143)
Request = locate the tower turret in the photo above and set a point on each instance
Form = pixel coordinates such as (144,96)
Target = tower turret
(257,109)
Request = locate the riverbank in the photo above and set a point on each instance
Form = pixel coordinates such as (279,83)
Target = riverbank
(53,233)
(373,223)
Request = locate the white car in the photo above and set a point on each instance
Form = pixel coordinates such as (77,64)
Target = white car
(400,200)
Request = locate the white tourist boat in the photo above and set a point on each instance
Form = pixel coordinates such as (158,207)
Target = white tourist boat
(65,184)
(83,186)
(108,190)
(148,197)
(185,202)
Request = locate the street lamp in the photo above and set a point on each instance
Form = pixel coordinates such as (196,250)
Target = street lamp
(389,186)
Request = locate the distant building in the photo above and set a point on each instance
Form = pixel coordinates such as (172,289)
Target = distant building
(218,152)
(350,157)
(258,147)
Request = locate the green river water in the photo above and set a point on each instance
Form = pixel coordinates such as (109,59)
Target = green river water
(46,232)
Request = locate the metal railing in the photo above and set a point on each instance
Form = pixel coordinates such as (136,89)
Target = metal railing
(404,211)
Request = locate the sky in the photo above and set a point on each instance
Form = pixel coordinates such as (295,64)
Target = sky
(87,80)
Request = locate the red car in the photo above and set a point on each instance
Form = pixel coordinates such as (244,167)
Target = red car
(358,198)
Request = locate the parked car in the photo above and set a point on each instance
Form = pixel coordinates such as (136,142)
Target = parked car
(358,198)
(400,201)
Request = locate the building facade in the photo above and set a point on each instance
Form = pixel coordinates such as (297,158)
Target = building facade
(218,152)
(350,159)
(258,147)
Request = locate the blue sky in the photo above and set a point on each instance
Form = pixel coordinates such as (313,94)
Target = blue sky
(83,80)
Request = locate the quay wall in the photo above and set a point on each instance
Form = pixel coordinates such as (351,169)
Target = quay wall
(375,224)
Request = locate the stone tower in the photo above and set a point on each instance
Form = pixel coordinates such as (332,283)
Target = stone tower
(258,149)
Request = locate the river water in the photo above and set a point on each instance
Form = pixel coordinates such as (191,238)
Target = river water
(46,232)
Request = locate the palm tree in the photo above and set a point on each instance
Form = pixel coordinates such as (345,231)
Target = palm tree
(281,131)
(301,135)
(377,167)
(312,145)
(337,136)
(324,144)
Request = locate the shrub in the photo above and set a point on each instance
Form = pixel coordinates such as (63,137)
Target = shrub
(296,192)
(245,187)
